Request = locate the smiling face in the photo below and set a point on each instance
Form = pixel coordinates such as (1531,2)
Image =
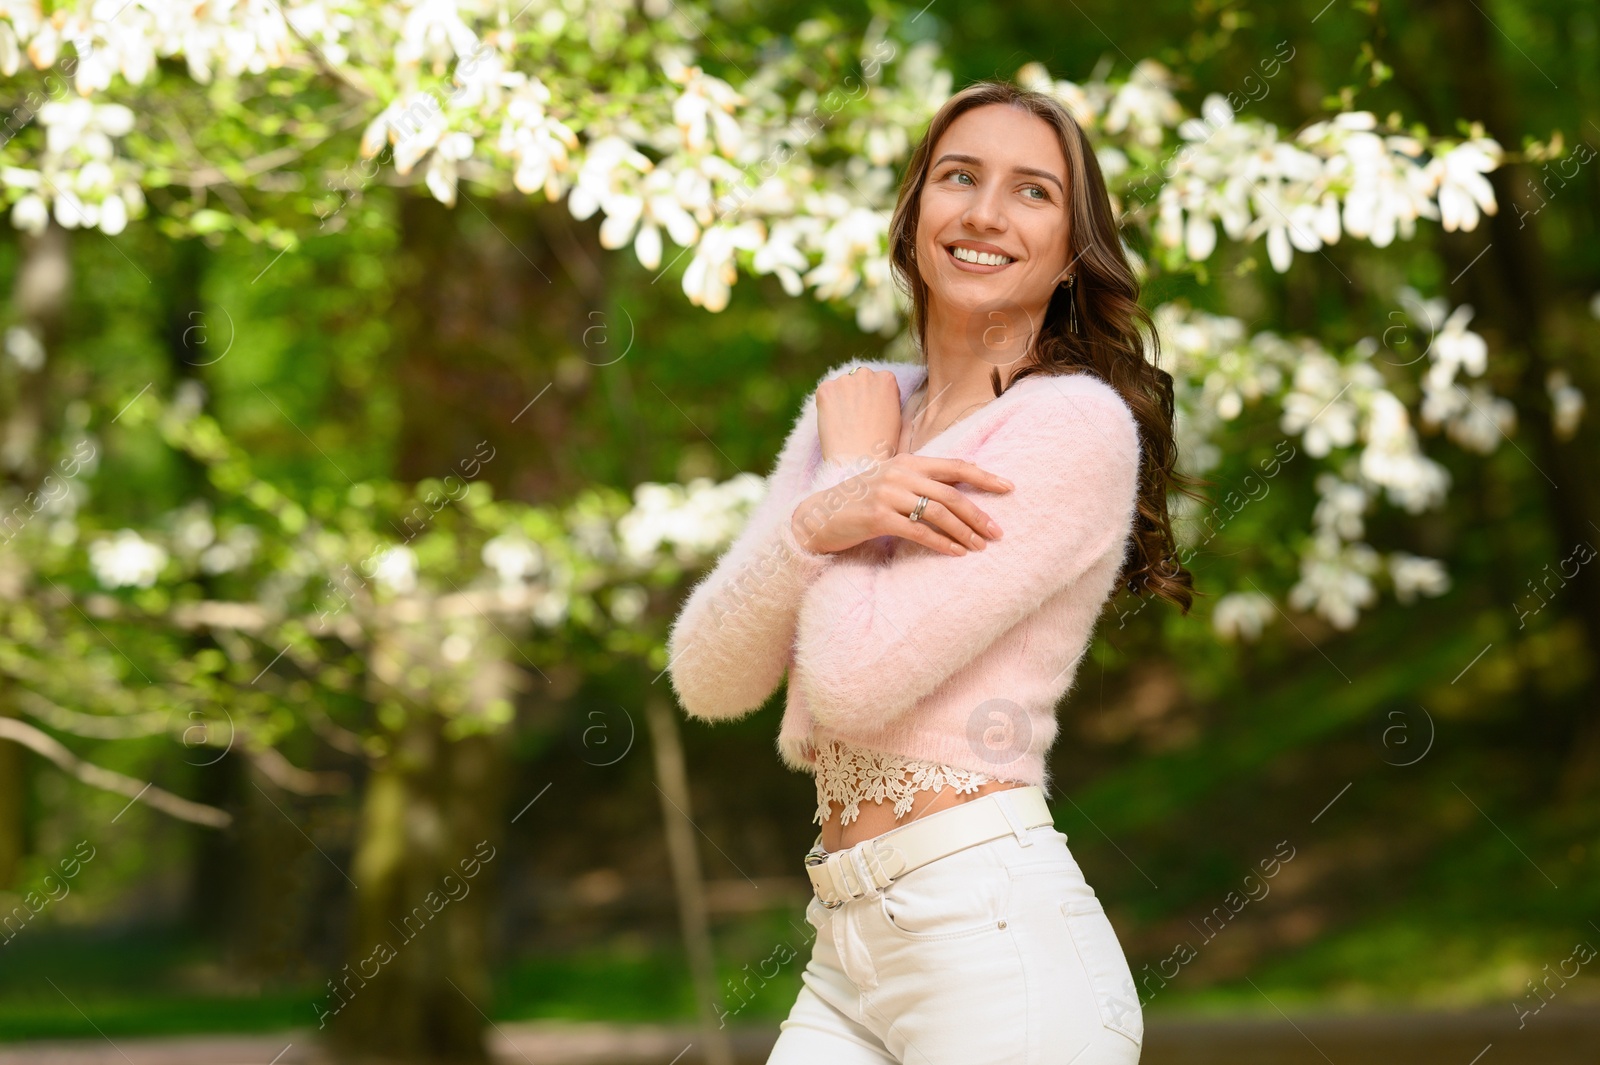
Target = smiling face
(994,225)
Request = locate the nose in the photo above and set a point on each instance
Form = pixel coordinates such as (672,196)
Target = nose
(983,209)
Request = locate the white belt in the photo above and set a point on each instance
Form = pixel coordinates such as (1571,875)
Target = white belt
(871,864)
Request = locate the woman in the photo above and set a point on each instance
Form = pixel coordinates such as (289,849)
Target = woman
(929,631)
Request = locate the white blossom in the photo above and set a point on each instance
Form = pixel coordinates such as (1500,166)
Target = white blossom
(396,570)
(781,254)
(1335,580)
(708,282)
(1455,347)
(1393,457)
(706,99)
(1318,406)
(551,608)
(1241,174)
(655,207)
(727,156)
(513,557)
(236,549)
(126,560)
(696,520)
(31,214)
(80,180)
(1566,403)
(24,346)
(1482,420)
(1241,615)
(193,531)
(628,603)
(1462,189)
(1387,189)
(1084,102)
(1341,506)
(1415,575)
(1144,105)
(452,149)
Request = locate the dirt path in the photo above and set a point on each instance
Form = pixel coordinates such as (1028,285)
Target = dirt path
(1569,1036)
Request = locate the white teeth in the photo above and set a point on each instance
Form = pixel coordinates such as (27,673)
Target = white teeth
(982,258)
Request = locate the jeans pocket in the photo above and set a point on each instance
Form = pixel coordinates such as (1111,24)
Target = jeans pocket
(1057,869)
(960,895)
(1115,995)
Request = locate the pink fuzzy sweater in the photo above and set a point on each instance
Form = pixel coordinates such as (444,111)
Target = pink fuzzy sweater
(890,645)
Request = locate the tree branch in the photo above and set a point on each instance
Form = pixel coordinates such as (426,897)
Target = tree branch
(241,172)
(91,726)
(107,780)
(291,778)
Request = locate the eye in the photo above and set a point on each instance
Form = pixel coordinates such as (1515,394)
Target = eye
(1044,196)
(956,173)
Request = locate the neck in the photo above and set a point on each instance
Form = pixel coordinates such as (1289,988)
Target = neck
(964,348)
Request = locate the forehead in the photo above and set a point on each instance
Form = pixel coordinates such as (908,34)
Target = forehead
(1003,136)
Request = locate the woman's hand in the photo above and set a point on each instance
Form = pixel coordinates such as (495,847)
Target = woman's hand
(879,503)
(858,414)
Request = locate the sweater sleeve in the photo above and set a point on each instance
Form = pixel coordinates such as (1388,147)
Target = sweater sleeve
(734,635)
(874,640)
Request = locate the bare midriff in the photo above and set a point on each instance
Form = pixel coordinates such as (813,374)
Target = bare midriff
(877,818)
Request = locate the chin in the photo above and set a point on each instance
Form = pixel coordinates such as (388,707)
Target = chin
(973,298)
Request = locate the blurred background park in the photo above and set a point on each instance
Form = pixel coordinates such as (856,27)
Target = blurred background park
(377,378)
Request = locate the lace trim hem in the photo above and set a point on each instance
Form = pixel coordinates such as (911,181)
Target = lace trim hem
(850,775)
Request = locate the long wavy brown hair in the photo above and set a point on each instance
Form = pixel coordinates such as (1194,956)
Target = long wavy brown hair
(1113,329)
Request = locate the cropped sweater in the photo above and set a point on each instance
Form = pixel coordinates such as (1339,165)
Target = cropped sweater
(896,647)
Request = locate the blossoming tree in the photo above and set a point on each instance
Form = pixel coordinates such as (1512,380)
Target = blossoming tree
(269,121)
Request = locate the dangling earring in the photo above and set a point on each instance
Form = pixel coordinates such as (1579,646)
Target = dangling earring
(1072,303)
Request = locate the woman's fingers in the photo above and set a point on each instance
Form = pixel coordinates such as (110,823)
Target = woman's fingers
(976,522)
(950,519)
(960,471)
(950,523)
(961,517)
(941,530)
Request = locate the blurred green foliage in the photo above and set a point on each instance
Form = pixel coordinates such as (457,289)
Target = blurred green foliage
(1182,761)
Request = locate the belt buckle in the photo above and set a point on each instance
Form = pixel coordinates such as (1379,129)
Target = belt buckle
(813,859)
(854,861)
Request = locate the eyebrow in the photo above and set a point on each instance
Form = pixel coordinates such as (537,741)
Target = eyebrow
(974,161)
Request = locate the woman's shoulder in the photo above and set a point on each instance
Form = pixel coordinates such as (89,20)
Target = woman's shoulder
(1064,419)
(1062,402)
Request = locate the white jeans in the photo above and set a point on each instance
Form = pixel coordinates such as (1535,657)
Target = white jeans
(998,953)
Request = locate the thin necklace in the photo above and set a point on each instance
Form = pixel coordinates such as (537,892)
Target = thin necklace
(912,443)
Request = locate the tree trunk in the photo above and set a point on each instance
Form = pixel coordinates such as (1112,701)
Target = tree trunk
(13,809)
(416,986)
(673,781)
(489,322)
(487,317)
(288,894)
